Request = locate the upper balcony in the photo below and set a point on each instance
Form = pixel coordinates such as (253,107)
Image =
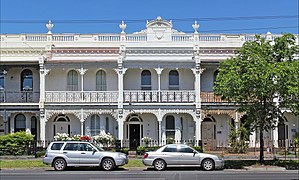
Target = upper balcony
(19,97)
(136,97)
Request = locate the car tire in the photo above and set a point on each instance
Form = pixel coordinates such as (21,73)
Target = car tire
(108,164)
(208,164)
(59,164)
(159,165)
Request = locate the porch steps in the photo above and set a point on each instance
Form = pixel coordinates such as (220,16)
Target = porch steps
(132,154)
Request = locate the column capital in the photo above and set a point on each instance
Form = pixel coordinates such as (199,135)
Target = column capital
(120,71)
(198,70)
(82,71)
(159,70)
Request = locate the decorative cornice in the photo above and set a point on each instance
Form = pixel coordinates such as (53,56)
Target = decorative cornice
(84,114)
(84,51)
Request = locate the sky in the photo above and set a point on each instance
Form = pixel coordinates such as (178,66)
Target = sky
(104,16)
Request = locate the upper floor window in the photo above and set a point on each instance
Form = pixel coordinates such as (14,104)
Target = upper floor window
(146,80)
(26,80)
(101,81)
(173,80)
(215,76)
(72,80)
(1,80)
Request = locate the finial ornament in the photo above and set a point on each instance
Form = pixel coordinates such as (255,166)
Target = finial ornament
(195,27)
(122,26)
(50,26)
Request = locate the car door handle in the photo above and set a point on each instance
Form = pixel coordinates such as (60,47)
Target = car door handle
(83,153)
(64,152)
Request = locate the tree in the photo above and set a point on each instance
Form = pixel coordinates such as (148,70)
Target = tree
(262,79)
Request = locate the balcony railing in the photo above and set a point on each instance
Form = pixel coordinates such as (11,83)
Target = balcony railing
(19,97)
(85,96)
(160,96)
(164,96)
(210,97)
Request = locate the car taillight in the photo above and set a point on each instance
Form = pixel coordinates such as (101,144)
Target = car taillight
(145,155)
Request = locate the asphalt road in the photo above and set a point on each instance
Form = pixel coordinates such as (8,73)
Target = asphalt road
(144,174)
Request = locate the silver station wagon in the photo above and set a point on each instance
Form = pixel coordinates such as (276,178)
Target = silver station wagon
(62,154)
(181,155)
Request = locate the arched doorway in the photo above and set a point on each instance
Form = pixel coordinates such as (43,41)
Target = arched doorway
(20,123)
(282,133)
(134,128)
(208,133)
(61,125)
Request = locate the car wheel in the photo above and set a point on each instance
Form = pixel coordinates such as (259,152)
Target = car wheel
(108,164)
(59,164)
(159,165)
(208,164)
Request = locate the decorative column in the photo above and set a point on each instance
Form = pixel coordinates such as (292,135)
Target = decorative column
(275,134)
(82,122)
(82,72)
(178,127)
(197,72)
(197,119)
(159,72)
(120,72)
(43,121)
(159,118)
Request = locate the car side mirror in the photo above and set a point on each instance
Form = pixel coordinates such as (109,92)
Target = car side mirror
(194,152)
(94,150)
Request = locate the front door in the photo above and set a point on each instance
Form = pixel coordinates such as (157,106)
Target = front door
(134,138)
(208,135)
(62,127)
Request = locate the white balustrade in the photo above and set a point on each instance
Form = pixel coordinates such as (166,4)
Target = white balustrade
(109,38)
(63,38)
(209,38)
(182,38)
(78,96)
(136,38)
(36,38)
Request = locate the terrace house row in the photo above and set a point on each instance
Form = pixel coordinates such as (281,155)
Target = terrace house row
(155,83)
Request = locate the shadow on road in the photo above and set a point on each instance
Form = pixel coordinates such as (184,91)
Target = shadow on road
(88,169)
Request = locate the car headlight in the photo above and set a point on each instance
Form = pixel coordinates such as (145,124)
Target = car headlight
(122,156)
(220,158)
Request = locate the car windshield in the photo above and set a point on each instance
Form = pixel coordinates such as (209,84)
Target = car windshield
(97,146)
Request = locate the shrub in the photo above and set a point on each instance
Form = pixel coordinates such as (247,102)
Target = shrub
(198,148)
(15,144)
(125,150)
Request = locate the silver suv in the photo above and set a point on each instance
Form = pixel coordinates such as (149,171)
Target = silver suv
(61,154)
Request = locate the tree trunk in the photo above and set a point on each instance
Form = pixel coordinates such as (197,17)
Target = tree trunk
(262,161)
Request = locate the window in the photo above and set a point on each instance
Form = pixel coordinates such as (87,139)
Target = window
(26,80)
(173,80)
(71,147)
(170,149)
(101,81)
(107,124)
(146,80)
(95,127)
(85,147)
(1,80)
(215,76)
(185,150)
(56,146)
(72,80)
(20,123)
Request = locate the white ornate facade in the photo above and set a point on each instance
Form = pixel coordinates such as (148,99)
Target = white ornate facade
(155,83)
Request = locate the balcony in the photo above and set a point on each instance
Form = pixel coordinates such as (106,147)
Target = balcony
(131,97)
(159,96)
(19,97)
(82,97)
